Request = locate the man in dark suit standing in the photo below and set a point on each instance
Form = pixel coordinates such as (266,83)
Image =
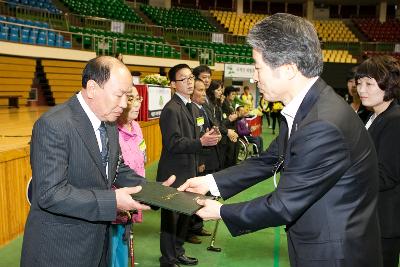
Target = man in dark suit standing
(328,186)
(208,156)
(75,158)
(181,142)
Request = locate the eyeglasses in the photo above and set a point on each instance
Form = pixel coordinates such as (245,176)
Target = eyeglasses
(135,99)
(190,78)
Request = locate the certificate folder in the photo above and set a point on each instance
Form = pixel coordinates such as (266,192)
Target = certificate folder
(169,198)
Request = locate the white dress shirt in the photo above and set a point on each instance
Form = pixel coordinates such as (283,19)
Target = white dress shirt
(289,112)
(370,121)
(94,121)
(184,99)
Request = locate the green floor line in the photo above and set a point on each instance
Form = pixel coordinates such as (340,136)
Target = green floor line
(277,244)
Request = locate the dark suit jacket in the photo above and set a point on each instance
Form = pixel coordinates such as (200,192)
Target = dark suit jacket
(363,113)
(227,110)
(385,132)
(181,142)
(72,204)
(208,155)
(327,192)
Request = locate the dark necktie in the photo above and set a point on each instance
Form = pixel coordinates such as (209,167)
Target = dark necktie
(104,144)
(189,107)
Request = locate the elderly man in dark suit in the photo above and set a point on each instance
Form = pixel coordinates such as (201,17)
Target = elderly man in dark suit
(328,188)
(181,142)
(75,158)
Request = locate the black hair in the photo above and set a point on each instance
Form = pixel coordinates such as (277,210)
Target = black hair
(386,72)
(200,69)
(350,74)
(214,85)
(98,70)
(230,89)
(172,72)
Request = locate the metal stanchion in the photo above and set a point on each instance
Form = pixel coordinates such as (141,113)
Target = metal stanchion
(214,234)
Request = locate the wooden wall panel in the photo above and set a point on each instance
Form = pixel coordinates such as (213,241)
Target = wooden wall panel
(15,172)
(152,136)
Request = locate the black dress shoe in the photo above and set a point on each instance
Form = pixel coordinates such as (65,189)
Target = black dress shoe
(203,232)
(185,260)
(193,239)
(169,265)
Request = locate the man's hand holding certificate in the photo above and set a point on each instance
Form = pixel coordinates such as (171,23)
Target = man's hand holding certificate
(200,185)
(169,198)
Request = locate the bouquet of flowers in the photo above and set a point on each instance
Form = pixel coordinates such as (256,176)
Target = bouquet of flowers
(155,79)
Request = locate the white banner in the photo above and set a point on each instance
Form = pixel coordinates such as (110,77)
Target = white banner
(217,37)
(239,71)
(321,13)
(117,26)
(158,97)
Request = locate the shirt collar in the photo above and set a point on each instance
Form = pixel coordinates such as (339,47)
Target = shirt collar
(290,110)
(126,132)
(92,117)
(199,106)
(185,101)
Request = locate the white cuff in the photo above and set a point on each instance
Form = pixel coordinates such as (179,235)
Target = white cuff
(212,185)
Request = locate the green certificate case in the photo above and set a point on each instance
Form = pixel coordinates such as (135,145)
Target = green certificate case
(169,198)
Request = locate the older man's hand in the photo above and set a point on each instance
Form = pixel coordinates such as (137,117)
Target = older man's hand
(197,185)
(210,210)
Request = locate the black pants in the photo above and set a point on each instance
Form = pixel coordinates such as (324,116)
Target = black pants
(196,223)
(173,233)
(390,251)
(230,154)
(267,117)
(275,116)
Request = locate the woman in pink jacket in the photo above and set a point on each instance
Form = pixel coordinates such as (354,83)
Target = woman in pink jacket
(133,148)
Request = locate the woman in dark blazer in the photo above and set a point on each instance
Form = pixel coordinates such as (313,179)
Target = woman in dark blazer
(214,94)
(378,84)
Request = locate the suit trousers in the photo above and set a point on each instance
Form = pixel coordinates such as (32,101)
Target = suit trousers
(390,251)
(105,256)
(174,228)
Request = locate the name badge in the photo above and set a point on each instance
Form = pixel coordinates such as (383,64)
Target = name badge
(200,121)
(142,146)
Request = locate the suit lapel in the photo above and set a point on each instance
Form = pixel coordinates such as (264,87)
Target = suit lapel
(282,138)
(113,151)
(178,100)
(86,132)
(381,117)
(307,103)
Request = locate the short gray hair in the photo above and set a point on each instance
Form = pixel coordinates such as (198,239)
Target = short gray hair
(287,39)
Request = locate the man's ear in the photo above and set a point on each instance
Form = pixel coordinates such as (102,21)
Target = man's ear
(91,89)
(289,70)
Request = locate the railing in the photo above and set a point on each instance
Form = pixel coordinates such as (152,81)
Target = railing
(358,48)
(66,35)
(105,24)
(172,35)
(56,21)
(62,22)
